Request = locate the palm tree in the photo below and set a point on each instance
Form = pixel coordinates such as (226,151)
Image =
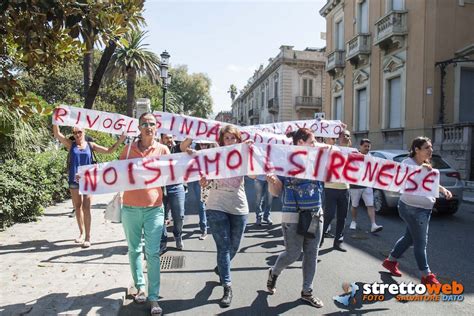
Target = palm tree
(233,92)
(132,60)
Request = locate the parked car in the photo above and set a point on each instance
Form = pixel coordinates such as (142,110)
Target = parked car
(386,201)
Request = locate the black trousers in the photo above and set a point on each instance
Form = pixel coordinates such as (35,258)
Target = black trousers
(336,203)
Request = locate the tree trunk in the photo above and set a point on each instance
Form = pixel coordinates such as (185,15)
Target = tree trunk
(99,74)
(88,61)
(131,79)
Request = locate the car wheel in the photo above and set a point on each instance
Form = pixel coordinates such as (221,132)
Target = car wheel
(380,204)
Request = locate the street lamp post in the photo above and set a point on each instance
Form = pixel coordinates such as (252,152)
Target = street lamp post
(165,76)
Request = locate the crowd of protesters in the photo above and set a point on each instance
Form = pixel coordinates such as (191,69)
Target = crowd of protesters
(224,210)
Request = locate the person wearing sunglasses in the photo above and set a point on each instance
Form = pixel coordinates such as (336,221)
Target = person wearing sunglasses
(80,154)
(227,212)
(143,215)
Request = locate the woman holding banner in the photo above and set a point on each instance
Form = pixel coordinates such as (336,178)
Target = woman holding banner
(143,214)
(81,153)
(299,195)
(227,212)
(415,211)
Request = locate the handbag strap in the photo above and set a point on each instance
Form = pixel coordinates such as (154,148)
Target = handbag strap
(130,147)
(296,200)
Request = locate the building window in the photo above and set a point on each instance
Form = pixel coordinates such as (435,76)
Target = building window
(339,33)
(275,87)
(394,103)
(262,97)
(363,22)
(466,97)
(338,108)
(396,5)
(361,110)
(307,87)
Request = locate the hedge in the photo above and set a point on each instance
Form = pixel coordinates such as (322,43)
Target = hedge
(30,183)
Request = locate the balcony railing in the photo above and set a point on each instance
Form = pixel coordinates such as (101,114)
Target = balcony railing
(335,60)
(358,47)
(313,103)
(273,105)
(390,28)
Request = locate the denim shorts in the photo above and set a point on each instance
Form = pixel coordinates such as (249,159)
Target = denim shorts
(73,185)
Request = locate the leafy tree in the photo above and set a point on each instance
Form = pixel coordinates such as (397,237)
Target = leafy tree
(190,94)
(131,61)
(46,34)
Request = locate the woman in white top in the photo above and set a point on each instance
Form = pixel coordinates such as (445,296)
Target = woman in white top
(415,211)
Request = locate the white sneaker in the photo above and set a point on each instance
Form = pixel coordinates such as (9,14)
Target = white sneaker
(376,228)
(353,225)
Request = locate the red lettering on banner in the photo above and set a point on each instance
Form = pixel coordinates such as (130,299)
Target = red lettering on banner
(131,178)
(58,113)
(255,138)
(384,174)
(229,157)
(199,132)
(409,179)
(245,135)
(185,129)
(304,125)
(299,168)
(398,172)
(172,123)
(171,165)
(317,163)
(78,117)
(92,179)
(324,128)
(348,167)
(369,171)
(269,141)
(157,170)
(158,120)
(120,124)
(208,160)
(268,167)
(314,127)
(251,152)
(104,175)
(336,161)
(337,129)
(214,131)
(107,119)
(89,121)
(128,128)
(190,169)
(427,179)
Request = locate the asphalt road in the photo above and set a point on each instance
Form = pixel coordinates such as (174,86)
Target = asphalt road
(194,289)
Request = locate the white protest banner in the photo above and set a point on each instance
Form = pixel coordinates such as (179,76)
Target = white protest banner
(314,163)
(111,123)
(321,128)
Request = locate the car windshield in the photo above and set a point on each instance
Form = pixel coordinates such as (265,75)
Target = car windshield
(436,161)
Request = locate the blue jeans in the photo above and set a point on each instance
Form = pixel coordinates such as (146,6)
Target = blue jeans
(174,202)
(416,234)
(195,189)
(263,199)
(227,231)
(336,203)
(149,222)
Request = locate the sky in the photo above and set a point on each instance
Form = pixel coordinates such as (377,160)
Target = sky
(228,40)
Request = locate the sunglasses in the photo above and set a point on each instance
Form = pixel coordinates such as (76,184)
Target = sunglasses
(77,133)
(230,138)
(347,136)
(147,124)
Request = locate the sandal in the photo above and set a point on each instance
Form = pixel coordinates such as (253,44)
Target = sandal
(86,244)
(79,240)
(313,300)
(155,308)
(140,297)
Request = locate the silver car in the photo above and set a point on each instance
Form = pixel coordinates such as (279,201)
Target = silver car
(386,201)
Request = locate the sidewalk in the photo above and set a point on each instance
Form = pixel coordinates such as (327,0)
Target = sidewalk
(45,273)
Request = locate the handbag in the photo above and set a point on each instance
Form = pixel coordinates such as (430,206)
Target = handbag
(113,211)
(307,221)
